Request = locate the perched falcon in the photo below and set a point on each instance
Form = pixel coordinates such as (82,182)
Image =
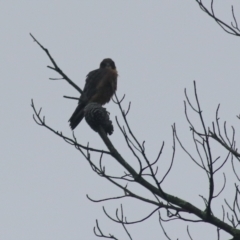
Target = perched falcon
(96,116)
(100,86)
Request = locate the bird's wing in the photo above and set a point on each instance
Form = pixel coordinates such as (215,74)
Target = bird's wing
(93,79)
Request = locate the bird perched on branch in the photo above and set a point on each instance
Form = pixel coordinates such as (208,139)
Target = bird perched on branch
(96,116)
(100,86)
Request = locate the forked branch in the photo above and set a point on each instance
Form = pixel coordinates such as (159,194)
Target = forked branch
(232,28)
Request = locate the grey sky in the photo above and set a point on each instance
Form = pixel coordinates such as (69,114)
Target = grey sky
(159,48)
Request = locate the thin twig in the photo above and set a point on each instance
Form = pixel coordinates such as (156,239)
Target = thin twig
(56,68)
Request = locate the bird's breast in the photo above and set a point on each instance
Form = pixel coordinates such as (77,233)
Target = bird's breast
(106,87)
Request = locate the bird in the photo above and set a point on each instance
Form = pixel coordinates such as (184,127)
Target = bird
(99,87)
(96,116)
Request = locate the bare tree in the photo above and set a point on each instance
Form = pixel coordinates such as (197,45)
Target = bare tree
(232,28)
(146,174)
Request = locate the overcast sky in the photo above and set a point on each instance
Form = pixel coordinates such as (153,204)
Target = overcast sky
(159,48)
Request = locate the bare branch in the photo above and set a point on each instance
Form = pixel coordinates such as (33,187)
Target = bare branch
(41,121)
(106,199)
(231,29)
(160,222)
(100,234)
(173,155)
(74,98)
(124,220)
(56,68)
(189,233)
(224,184)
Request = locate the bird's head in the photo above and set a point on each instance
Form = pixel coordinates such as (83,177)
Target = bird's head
(107,63)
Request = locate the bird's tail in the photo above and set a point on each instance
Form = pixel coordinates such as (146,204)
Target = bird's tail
(77,116)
